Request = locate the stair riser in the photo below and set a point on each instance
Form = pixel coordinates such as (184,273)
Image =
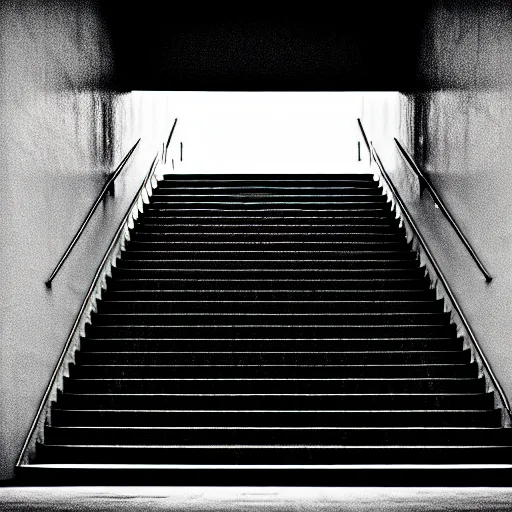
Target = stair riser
(159,455)
(120,273)
(265,436)
(269,307)
(294,476)
(257,331)
(290,295)
(256,369)
(265,386)
(267,186)
(270,188)
(359,402)
(488,419)
(270,344)
(257,254)
(242,358)
(267,246)
(264,219)
(359,320)
(246,179)
(168,197)
(223,372)
(274,230)
(266,236)
(270,206)
(166,189)
(268,264)
(278,285)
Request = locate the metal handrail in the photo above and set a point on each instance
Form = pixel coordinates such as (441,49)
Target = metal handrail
(426,182)
(104,190)
(365,139)
(76,324)
(165,145)
(458,309)
(170,134)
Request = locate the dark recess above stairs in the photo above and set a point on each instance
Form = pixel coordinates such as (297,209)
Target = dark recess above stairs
(369,46)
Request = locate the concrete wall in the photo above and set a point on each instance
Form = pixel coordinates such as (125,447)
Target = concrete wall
(459,128)
(62,130)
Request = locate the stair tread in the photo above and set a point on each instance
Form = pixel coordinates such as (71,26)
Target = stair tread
(299,411)
(280,365)
(259,429)
(287,395)
(275,379)
(317,302)
(280,314)
(267,187)
(283,447)
(266,339)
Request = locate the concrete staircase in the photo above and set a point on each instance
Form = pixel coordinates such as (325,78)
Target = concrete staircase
(270,329)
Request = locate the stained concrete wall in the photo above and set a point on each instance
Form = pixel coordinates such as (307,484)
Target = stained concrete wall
(459,128)
(62,130)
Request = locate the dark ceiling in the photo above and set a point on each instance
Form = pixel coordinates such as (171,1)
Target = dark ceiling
(358,46)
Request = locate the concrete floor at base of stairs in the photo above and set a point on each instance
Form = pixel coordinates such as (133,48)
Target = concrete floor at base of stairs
(267,499)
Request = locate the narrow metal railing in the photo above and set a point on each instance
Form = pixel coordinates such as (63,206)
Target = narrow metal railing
(89,215)
(365,139)
(437,269)
(165,146)
(440,203)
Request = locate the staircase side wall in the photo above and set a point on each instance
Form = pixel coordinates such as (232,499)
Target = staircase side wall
(459,129)
(63,128)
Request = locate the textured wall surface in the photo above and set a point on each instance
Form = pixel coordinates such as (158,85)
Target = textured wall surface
(459,129)
(61,132)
